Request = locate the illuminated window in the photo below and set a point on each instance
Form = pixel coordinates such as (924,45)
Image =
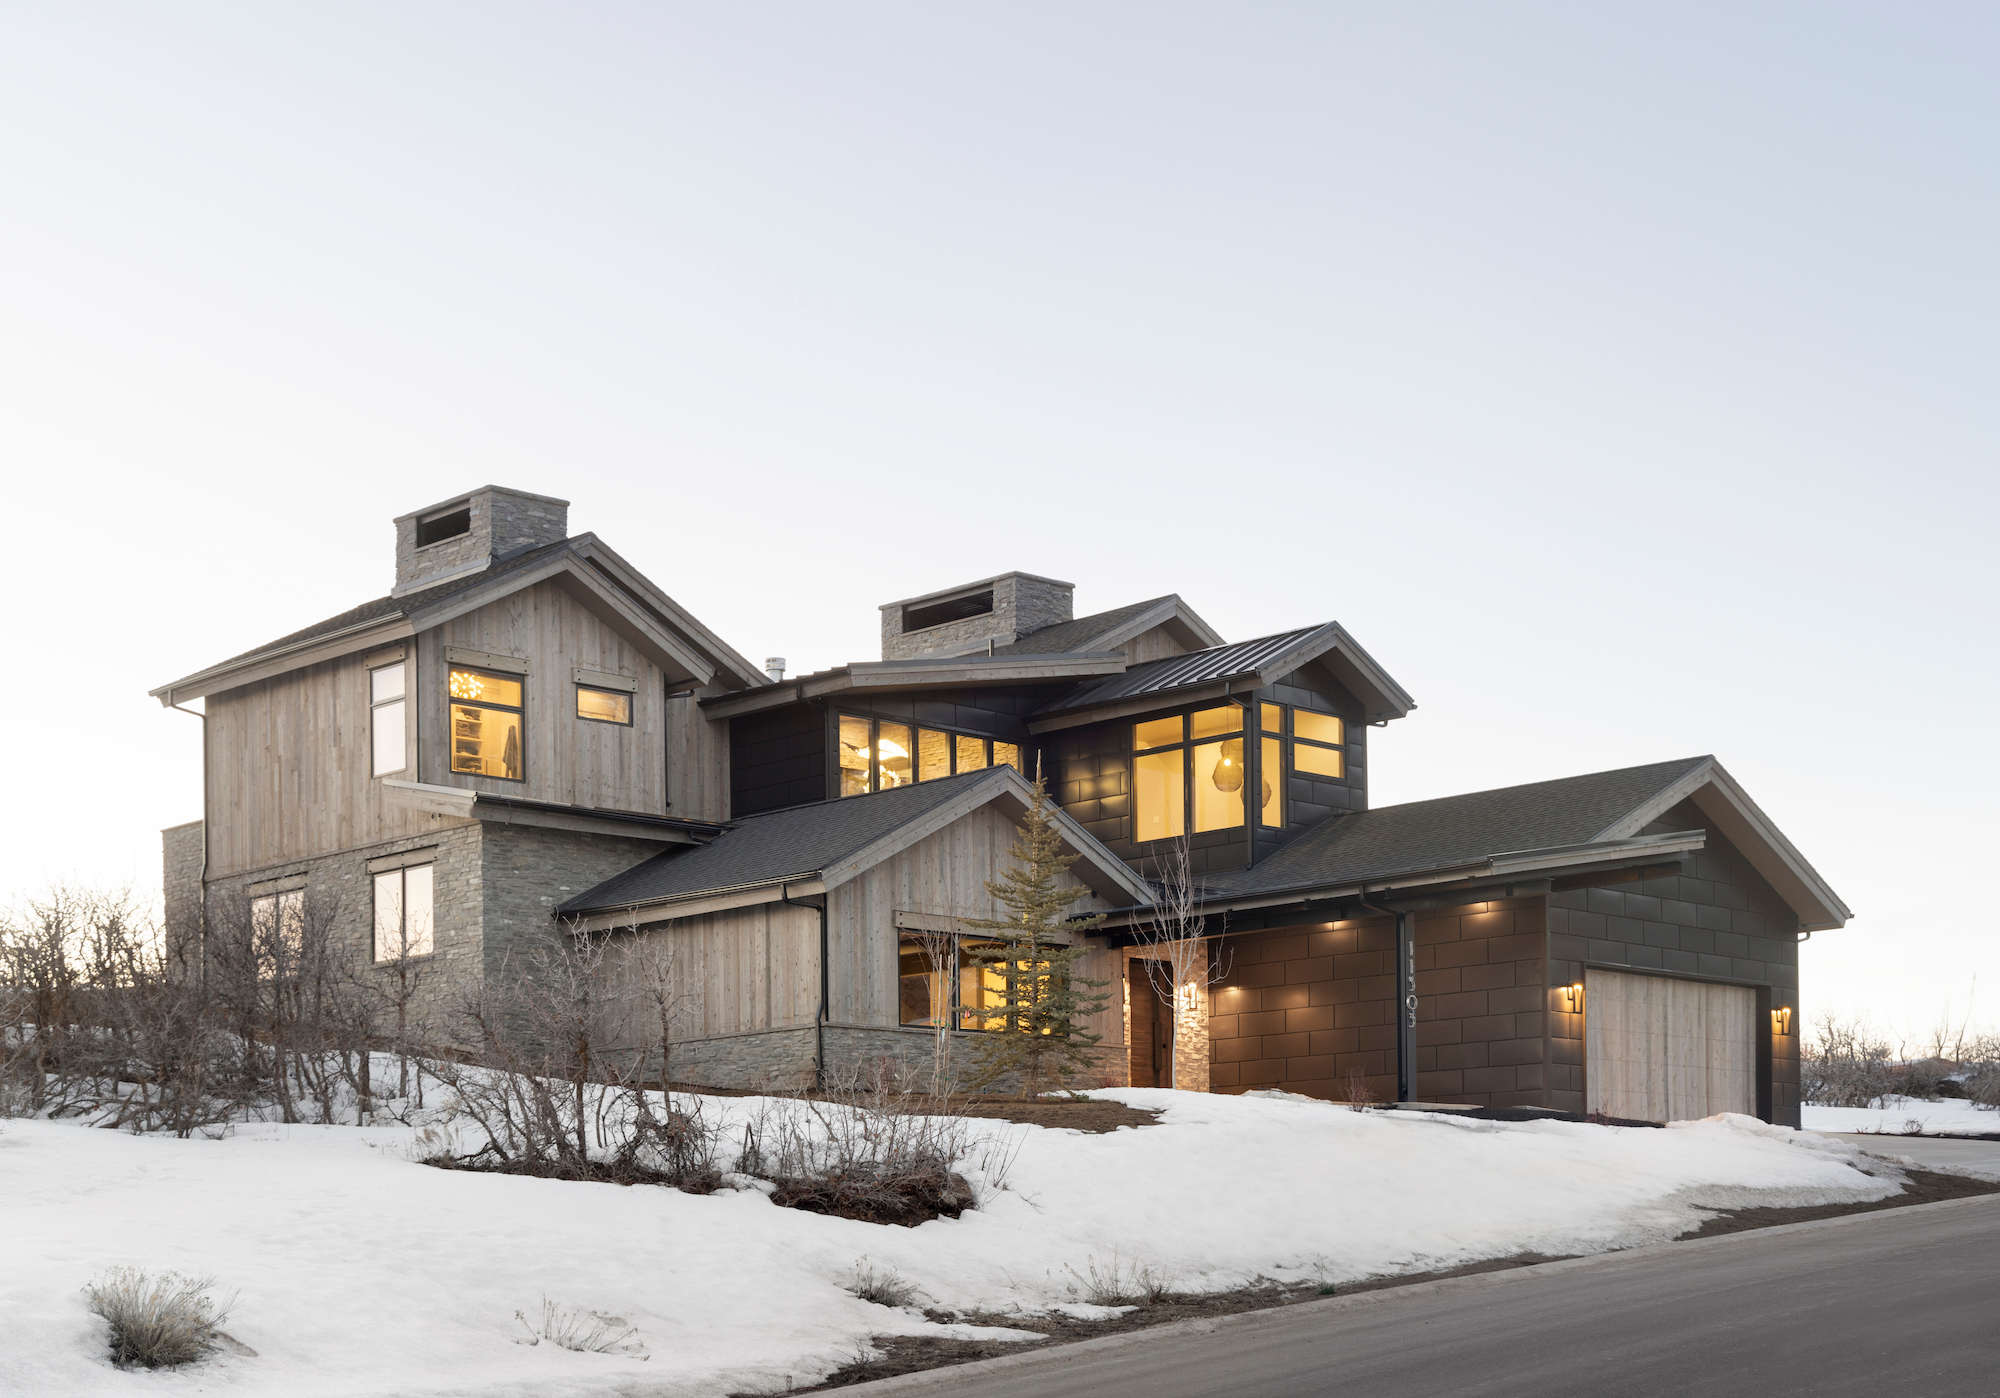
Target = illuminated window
(486,739)
(278,933)
(603,705)
(387,733)
(1191,783)
(403,913)
(1271,805)
(1314,744)
(881,754)
(982,987)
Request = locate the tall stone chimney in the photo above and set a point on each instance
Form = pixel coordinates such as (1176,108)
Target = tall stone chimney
(461,536)
(966,619)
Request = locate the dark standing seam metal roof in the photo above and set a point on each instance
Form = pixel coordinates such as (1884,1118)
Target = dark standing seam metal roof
(1076,635)
(799,841)
(1181,671)
(383,608)
(1456,829)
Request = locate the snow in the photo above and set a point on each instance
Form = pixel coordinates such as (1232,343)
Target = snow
(1950,1117)
(357,1272)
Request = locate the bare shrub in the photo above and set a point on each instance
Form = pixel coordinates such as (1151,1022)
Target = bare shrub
(1358,1094)
(1843,1063)
(158,1320)
(1121,1282)
(1178,962)
(586,1332)
(881,1286)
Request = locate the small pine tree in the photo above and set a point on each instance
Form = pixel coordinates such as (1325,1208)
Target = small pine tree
(1035,1029)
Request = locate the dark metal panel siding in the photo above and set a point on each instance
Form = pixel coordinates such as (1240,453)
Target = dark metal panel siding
(1312,799)
(995,713)
(777,758)
(1716,919)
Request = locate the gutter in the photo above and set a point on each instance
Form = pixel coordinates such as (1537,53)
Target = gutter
(1406,996)
(201,920)
(819,1024)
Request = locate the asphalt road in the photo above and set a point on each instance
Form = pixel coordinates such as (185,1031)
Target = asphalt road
(1901,1304)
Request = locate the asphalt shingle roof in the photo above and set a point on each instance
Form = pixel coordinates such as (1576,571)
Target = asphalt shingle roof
(1075,635)
(1456,829)
(1180,671)
(383,607)
(800,840)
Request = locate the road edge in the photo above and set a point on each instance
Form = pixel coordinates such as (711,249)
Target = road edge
(1056,1354)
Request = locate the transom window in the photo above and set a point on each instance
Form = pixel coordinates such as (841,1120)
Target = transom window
(486,724)
(881,755)
(603,705)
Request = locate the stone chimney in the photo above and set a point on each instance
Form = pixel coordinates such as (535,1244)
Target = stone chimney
(462,536)
(968,619)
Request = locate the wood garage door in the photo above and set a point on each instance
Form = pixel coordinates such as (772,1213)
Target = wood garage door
(1660,1049)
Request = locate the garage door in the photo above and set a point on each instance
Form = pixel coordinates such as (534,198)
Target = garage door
(1660,1049)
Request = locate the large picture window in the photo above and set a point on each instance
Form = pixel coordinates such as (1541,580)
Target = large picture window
(486,724)
(882,754)
(403,915)
(966,992)
(1188,773)
(388,734)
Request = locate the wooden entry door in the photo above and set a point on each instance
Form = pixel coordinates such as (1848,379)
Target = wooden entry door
(1660,1049)
(1151,1044)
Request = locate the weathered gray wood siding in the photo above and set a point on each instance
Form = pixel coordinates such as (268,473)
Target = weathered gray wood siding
(733,972)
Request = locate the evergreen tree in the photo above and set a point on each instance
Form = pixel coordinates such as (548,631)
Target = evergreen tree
(1034,1029)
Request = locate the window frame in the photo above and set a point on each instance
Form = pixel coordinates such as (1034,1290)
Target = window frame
(452,701)
(375,707)
(401,874)
(1246,732)
(917,729)
(583,717)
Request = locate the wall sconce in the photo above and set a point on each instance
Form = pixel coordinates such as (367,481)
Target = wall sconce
(1781,1021)
(1572,998)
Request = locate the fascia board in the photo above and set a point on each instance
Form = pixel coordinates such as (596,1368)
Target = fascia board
(1381,697)
(637,915)
(1723,800)
(361,636)
(725,656)
(1167,611)
(958,671)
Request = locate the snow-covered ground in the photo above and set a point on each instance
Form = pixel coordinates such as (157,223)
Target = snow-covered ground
(359,1273)
(1951,1117)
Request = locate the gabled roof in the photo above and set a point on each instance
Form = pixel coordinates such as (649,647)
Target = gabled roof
(583,566)
(829,842)
(1533,829)
(921,672)
(1105,631)
(1232,669)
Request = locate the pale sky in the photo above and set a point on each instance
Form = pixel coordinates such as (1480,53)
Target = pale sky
(1623,380)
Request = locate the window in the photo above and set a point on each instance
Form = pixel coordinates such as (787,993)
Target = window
(881,754)
(603,705)
(403,913)
(1314,740)
(967,991)
(387,735)
(486,724)
(1194,776)
(954,609)
(277,931)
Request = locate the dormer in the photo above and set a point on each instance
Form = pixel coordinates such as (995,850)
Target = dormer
(462,536)
(974,617)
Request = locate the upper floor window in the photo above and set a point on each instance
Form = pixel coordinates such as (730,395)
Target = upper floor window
(403,913)
(387,732)
(486,724)
(880,755)
(1188,772)
(603,705)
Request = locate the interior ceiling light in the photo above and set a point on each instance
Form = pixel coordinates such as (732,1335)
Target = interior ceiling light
(1228,774)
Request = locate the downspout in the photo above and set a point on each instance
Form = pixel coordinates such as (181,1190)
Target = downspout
(819,1025)
(201,886)
(1406,997)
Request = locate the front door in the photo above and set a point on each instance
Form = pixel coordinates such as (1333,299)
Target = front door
(1660,1049)
(1152,1027)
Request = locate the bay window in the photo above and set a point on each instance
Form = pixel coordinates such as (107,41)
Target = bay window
(1191,772)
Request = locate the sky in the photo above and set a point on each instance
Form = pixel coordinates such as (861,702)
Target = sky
(1623,378)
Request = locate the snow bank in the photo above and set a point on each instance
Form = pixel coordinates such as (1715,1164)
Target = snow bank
(360,1273)
(1951,1117)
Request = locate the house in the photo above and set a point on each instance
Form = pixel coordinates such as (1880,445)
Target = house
(527,737)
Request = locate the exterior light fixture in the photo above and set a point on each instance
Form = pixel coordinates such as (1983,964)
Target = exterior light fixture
(1781,1021)
(1572,996)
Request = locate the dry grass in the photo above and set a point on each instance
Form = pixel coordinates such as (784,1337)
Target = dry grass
(158,1320)
(586,1332)
(1121,1282)
(881,1286)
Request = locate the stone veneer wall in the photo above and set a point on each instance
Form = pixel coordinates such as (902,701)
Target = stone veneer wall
(783,1058)
(526,870)
(180,858)
(1022,604)
(503,521)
